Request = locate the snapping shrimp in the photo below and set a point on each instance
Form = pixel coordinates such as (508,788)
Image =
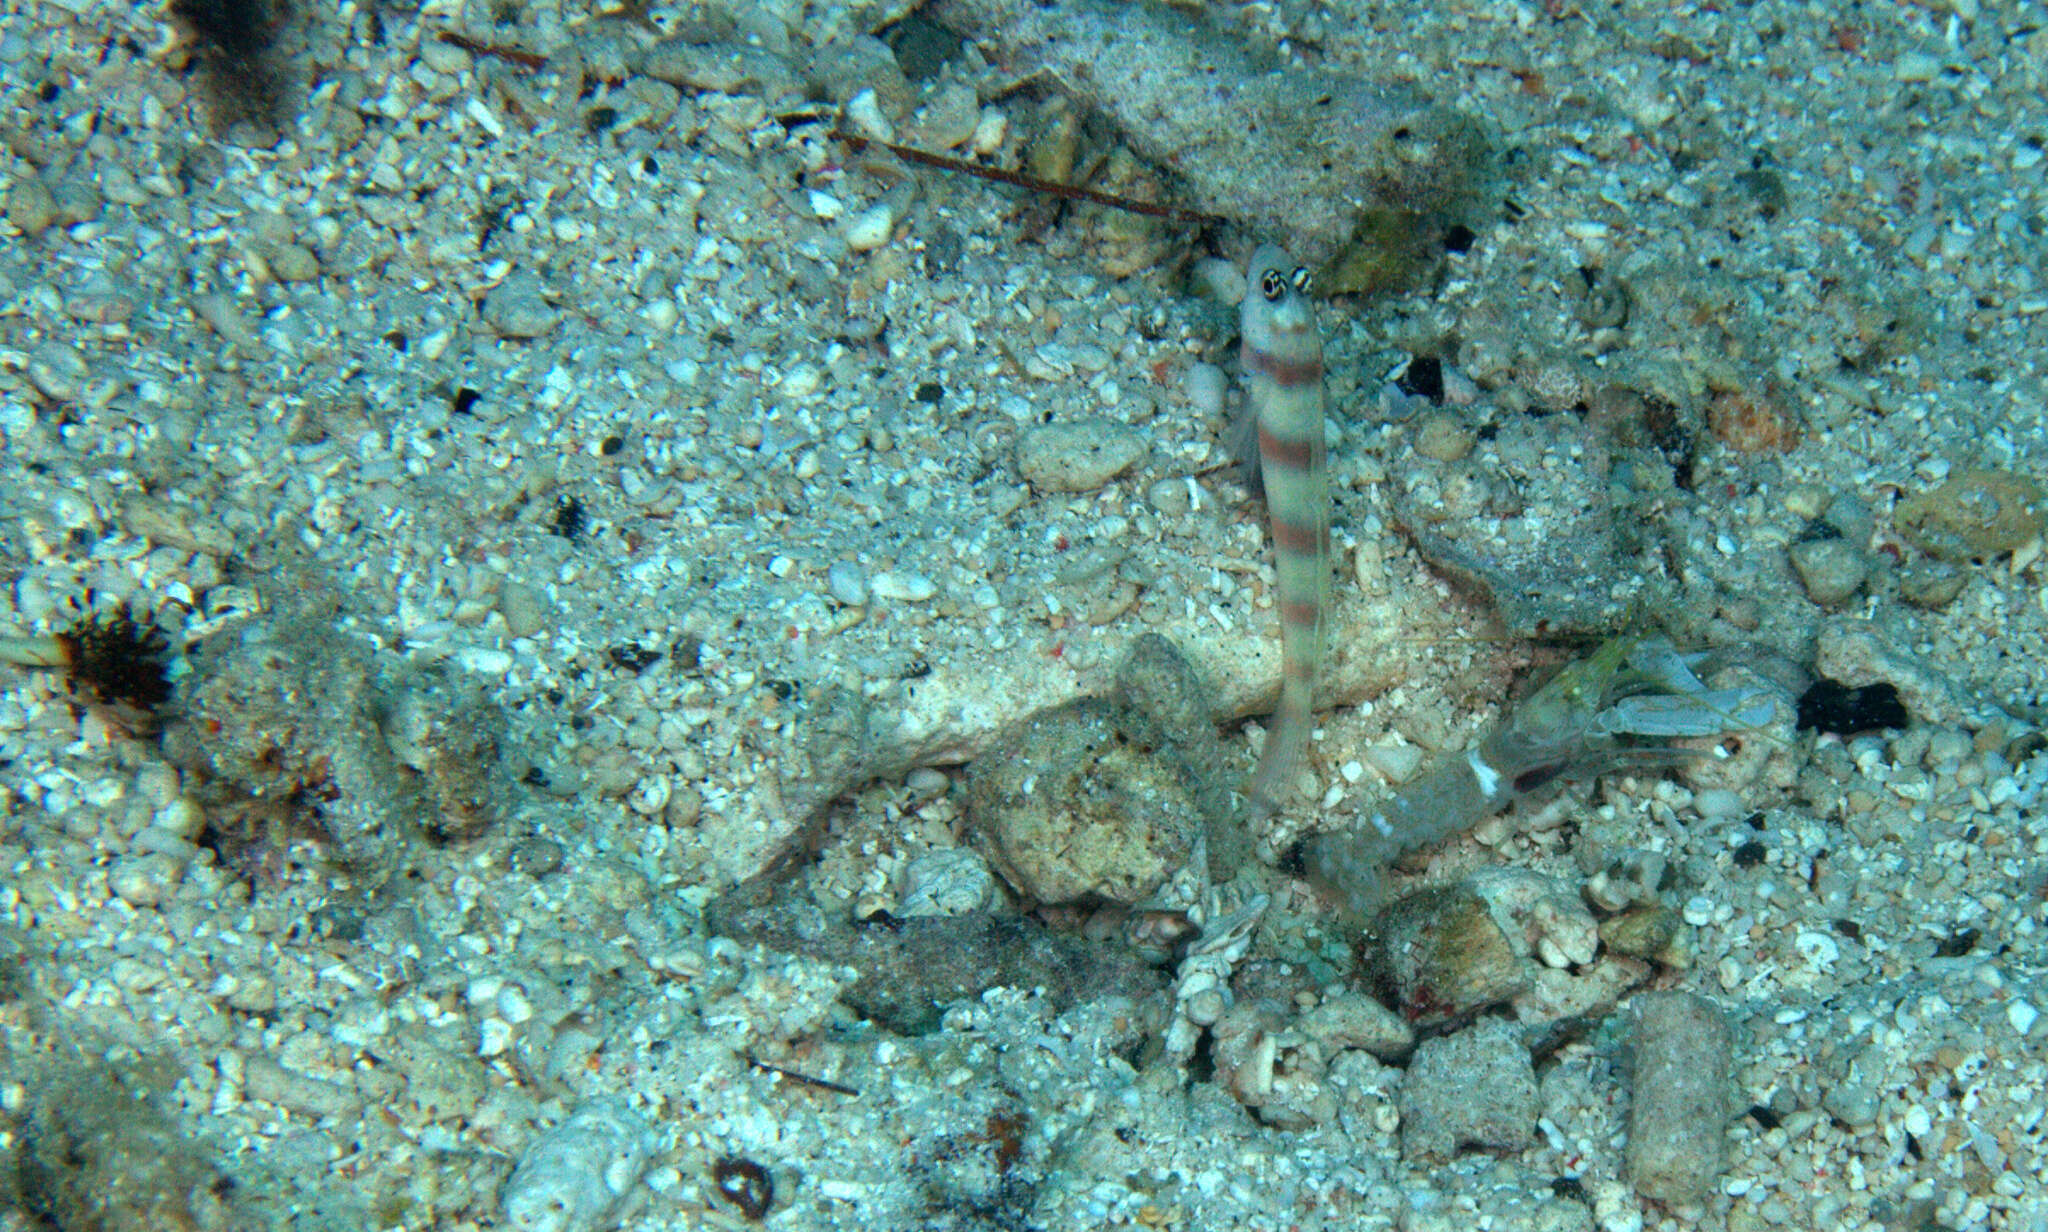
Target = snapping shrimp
(1571,728)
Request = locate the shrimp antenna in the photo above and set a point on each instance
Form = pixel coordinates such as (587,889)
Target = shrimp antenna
(1171,213)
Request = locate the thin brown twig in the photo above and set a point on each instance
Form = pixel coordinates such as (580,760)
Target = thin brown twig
(524,59)
(823,1084)
(1171,213)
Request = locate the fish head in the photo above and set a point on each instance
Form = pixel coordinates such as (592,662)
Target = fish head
(1276,292)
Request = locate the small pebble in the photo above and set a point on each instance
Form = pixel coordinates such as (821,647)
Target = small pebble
(1831,570)
(864,116)
(30,206)
(119,186)
(950,881)
(825,207)
(1205,385)
(572,1178)
(1718,803)
(1916,66)
(901,586)
(1170,496)
(950,117)
(145,881)
(515,308)
(847,582)
(1218,279)
(1853,1103)
(76,199)
(1397,763)
(523,608)
(871,228)
(989,132)
(292,262)
(58,370)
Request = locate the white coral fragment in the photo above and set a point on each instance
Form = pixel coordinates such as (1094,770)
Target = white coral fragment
(574,1177)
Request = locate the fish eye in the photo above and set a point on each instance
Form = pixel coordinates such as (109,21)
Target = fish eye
(1301,279)
(1272,285)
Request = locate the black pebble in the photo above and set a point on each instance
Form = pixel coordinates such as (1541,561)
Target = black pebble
(635,659)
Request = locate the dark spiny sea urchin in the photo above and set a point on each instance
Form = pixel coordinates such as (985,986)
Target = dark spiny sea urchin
(123,660)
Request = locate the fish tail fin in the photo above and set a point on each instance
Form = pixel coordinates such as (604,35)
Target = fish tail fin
(1286,741)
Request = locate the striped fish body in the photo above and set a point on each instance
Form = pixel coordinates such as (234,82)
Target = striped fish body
(1282,358)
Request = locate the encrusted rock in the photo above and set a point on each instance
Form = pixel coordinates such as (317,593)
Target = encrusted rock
(911,972)
(92,1153)
(1345,1018)
(950,881)
(288,719)
(1531,521)
(1654,932)
(1444,436)
(1932,584)
(1083,800)
(727,68)
(1975,513)
(1476,1088)
(1742,759)
(1304,153)
(1681,1093)
(1077,457)
(1538,915)
(1857,653)
(1444,955)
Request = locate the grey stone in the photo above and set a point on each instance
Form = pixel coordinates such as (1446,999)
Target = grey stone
(30,206)
(58,370)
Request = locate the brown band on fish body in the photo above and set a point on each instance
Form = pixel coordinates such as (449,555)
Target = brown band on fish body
(1295,455)
(1289,375)
(1294,537)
